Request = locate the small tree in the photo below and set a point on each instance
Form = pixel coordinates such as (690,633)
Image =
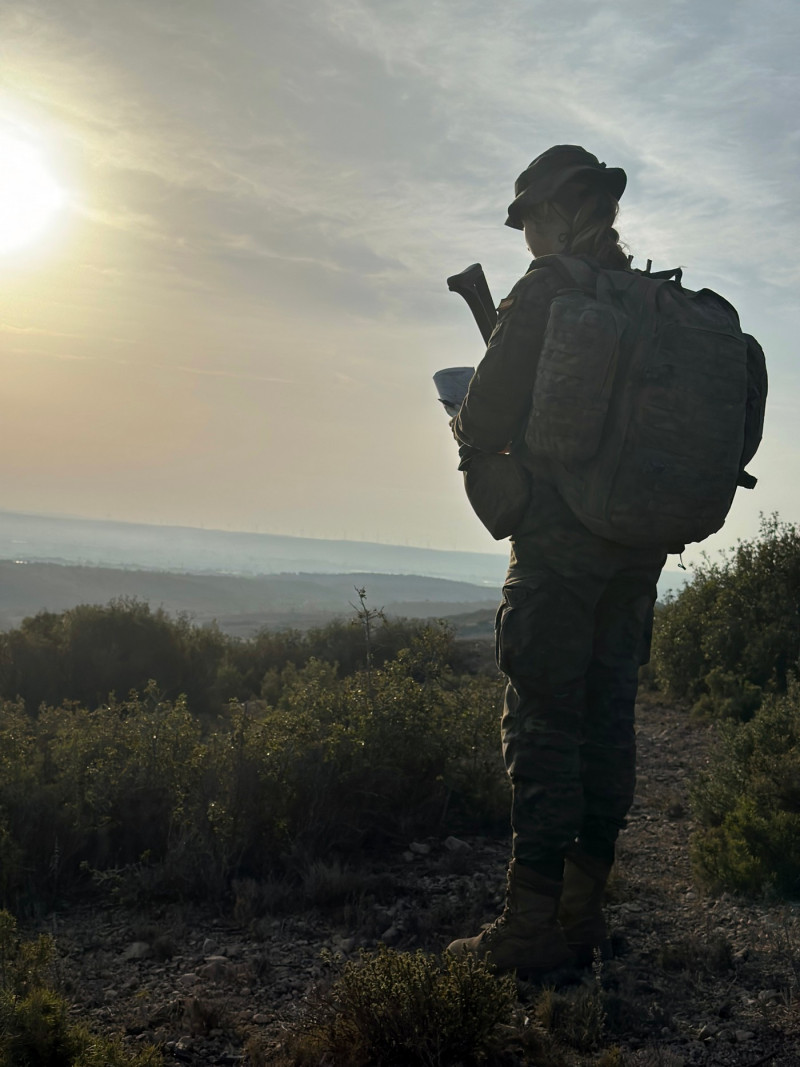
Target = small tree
(733,632)
(747,803)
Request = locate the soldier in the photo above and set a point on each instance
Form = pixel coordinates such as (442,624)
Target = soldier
(575,621)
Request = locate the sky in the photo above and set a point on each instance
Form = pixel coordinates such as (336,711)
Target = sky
(233,317)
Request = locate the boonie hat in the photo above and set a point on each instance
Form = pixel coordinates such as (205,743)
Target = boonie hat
(558,165)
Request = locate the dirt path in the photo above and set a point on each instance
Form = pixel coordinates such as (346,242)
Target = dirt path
(704,981)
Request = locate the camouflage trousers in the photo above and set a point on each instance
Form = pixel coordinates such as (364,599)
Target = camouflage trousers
(570,641)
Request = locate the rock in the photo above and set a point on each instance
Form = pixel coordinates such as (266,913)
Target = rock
(766,995)
(138,950)
(743,1036)
(409,857)
(419,848)
(391,935)
(347,944)
(217,969)
(455,844)
(261,1018)
(210,947)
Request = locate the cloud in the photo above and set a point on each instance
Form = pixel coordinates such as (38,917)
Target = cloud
(46,353)
(212,373)
(36,331)
(691,99)
(378,132)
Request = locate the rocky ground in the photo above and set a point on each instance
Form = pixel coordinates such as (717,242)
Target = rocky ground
(695,980)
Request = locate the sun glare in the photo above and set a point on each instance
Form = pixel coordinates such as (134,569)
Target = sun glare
(29,195)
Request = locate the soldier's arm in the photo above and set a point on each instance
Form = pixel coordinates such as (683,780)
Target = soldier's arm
(493,414)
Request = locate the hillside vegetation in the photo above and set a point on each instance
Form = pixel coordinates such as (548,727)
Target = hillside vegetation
(236,759)
(151,759)
(727,647)
(181,758)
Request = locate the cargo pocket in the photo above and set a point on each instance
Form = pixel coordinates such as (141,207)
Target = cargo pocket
(511,628)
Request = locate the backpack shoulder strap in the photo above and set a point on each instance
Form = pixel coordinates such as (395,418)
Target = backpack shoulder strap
(575,271)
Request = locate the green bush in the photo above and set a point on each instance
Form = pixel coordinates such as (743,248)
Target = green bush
(87,653)
(337,764)
(733,633)
(90,652)
(35,1027)
(391,1009)
(747,803)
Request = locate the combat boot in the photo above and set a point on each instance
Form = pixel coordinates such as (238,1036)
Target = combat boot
(581,909)
(526,937)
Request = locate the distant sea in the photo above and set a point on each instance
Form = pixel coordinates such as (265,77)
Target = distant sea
(188,550)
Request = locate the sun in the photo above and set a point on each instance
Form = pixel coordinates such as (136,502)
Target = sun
(30,197)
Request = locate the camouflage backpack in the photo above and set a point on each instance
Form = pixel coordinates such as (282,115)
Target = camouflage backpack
(648,403)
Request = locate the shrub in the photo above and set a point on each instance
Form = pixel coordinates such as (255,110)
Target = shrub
(90,651)
(337,764)
(35,1027)
(747,802)
(389,1009)
(86,654)
(733,632)
(576,1016)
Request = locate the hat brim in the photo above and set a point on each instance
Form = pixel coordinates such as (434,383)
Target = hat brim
(612,179)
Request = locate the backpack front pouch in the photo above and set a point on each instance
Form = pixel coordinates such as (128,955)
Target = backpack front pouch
(574,378)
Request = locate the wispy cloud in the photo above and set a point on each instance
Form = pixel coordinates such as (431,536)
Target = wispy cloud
(211,373)
(685,97)
(35,331)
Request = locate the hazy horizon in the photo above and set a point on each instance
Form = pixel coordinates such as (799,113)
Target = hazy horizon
(105,543)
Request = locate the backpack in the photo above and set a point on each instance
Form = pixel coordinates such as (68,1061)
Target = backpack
(647,404)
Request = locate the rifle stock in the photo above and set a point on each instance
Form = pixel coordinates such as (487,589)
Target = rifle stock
(472,285)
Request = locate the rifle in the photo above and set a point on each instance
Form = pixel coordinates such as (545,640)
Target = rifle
(472,285)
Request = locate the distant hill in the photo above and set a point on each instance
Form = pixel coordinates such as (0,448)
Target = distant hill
(242,580)
(240,605)
(186,550)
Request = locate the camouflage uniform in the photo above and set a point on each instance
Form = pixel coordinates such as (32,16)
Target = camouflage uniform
(573,627)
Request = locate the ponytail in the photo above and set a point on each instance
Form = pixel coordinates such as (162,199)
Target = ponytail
(588,216)
(592,231)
